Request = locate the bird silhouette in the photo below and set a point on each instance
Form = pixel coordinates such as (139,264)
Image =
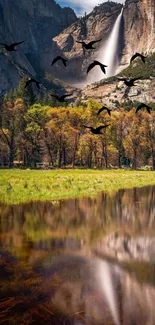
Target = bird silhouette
(88,46)
(136,55)
(142,105)
(32,81)
(60,99)
(102,66)
(11,47)
(59,58)
(129,81)
(104,108)
(96,130)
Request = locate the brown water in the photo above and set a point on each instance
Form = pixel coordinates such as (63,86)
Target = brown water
(49,270)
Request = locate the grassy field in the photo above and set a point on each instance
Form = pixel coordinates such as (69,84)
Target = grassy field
(18,186)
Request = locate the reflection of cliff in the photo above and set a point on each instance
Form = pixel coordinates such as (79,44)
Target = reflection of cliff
(102,291)
(73,290)
(73,223)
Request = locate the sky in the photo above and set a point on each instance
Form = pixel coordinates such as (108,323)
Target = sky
(82,6)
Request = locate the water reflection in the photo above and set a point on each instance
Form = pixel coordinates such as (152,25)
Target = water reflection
(73,290)
(73,223)
(41,284)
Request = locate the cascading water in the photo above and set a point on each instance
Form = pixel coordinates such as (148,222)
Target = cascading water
(109,54)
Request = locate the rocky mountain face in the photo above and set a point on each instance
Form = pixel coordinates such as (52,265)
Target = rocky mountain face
(113,92)
(139,28)
(35,22)
(48,30)
(137,35)
(97,25)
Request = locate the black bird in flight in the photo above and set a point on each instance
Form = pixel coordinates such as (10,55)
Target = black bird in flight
(11,47)
(88,46)
(60,99)
(136,55)
(144,106)
(59,58)
(96,130)
(104,108)
(102,66)
(31,81)
(129,81)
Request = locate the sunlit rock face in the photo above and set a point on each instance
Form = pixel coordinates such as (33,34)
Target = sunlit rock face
(48,30)
(139,28)
(137,33)
(97,25)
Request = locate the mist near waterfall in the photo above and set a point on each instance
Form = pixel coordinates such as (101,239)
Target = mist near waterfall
(108,54)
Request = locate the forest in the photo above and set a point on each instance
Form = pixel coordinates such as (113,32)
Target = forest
(36,132)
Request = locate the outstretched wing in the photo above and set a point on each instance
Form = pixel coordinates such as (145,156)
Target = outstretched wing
(134,57)
(102,109)
(102,127)
(37,84)
(64,62)
(134,79)
(88,127)
(143,58)
(102,66)
(55,60)
(64,96)
(80,42)
(121,79)
(55,96)
(92,65)
(148,108)
(28,82)
(140,107)
(93,42)
(14,44)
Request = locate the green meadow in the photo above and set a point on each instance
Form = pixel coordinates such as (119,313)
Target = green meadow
(19,186)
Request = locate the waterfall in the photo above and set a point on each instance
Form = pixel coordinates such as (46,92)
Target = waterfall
(109,54)
(108,287)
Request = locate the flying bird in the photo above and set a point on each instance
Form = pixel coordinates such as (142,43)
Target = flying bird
(144,106)
(136,55)
(59,58)
(104,108)
(61,99)
(88,46)
(129,81)
(11,47)
(102,66)
(96,130)
(31,81)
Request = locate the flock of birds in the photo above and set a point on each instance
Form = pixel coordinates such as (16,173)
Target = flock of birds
(129,82)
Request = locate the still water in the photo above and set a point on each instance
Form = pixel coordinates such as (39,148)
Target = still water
(80,261)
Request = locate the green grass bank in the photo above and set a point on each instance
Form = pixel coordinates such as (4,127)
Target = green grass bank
(19,186)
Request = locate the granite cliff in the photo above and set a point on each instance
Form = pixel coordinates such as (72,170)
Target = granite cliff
(48,30)
(35,22)
(137,34)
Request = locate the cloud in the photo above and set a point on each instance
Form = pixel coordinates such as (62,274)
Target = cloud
(82,6)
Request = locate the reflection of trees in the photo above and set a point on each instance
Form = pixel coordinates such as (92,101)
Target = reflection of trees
(78,218)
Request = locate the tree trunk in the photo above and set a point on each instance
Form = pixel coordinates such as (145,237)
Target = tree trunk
(11,157)
(64,156)
(134,163)
(12,152)
(77,136)
(153,159)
